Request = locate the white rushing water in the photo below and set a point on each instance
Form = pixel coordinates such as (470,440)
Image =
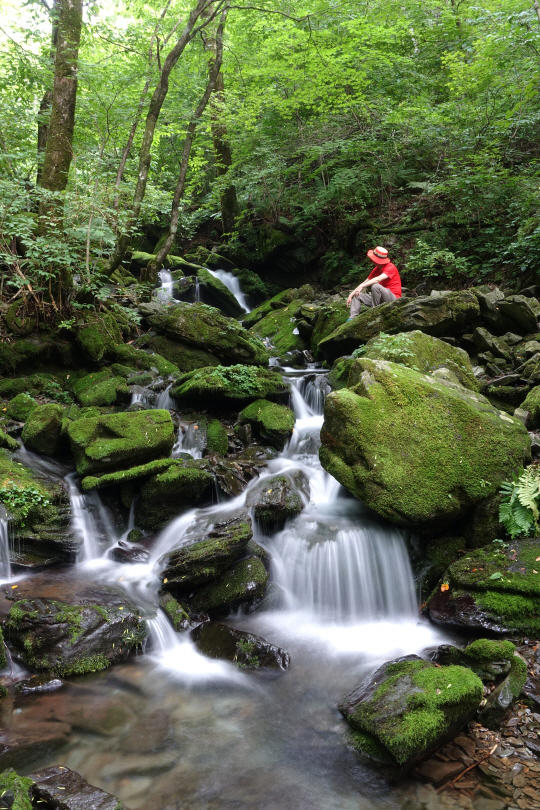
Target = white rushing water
(233,285)
(164,293)
(5,562)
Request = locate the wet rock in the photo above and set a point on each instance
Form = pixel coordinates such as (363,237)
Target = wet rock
(106,443)
(24,744)
(276,499)
(39,683)
(273,423)
(213,546)
(491,590)
(124,552)
(206,328)
(230,386)
(446,315)
(64,789)
(70,638)
(239,585)
(177,613)
(280,328)
(214,292)
(434,432)
(408,708)
(245,650)
(181,486)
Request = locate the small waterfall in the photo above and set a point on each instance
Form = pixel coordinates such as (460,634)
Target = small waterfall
(233,285)
(136,399)
(90,521)
(5,562)
(164,293)
(191,439)
(164,400)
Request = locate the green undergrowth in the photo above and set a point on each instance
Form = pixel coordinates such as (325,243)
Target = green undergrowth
(217,440)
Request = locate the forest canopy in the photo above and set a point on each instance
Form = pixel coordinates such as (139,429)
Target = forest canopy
(336,124)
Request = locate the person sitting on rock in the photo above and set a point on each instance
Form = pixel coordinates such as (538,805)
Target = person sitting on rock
(384,281)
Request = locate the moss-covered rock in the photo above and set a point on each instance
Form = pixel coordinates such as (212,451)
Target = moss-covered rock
(21,407)
(214,292)
(184,357)
(532,404)
(494,589)
(419,451)
(163,496)
(206,558)
(238,585)
(229,384)
(276,499)
(118,441)
(280,328)
(132,474)
(99,337)
(206,328)
(42,432)
(70,639)
(8,442)
(217,440)
(409,707)
(273,423)
(447,314)
(100,389)
(16,790)
(245,650)
(279,301)
(137,359)
(329,317)
(176,612)
(3,655)
(32,349)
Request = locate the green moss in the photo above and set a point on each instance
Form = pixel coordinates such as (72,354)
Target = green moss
(415,705)
(518,675)
(71,615)
(274,423)
(279,327)
(519,614)
(42,430)
(185,358)
(24,496)
(19,786)
(21,407)
(184,484)
(99,338)
(369,746)
(442,552)
(11,387)
(131,356)
(492,569)
(484,649)
(329,318)
(217,440)
(120,440)
(100,389)
(8,442)
(176,612)
(532,404)
(415,449)
(229,384)
(242,583)
(3,694)
(83,665)
(121,477)
(279,301)
(214,289)
(3,655)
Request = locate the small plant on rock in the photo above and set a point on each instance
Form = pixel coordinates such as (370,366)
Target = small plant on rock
(519,511)
(21,499)
(395,348)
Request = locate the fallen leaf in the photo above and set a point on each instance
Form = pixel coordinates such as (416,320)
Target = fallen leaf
(14,586)
(445,586)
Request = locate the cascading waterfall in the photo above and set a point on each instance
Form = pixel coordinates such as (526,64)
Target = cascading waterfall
(90,522)
(164,293)
(5,562)
(164,399)
(233,285)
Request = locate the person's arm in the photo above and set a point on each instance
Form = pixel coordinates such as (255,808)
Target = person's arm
(366,283)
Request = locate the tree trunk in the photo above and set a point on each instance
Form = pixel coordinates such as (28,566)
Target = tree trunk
(156,104)
(150,273)
(46,101)
(222,148)
(59,148)
(537,9)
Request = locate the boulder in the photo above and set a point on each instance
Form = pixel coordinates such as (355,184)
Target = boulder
(419,451)
(276,499)
(273,423)
(488,343)
(206,328)
(448,314)
(106,443)
(327,320)
(409,707)
(239,585)
(230,385)
(181,486)
(522,311)
(214,292)
(99,338)
(137,359)
(184,357)
(21,407)
(281,329)
(42,432)
(491,589)
(63,789)
(100,389)
(245,650)
(67,638)
(217,438)
(176,612)
(279,301)
(212,548)
(132,474)
(531,403)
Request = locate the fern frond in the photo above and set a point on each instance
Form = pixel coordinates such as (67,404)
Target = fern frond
(523,517)
(528,490)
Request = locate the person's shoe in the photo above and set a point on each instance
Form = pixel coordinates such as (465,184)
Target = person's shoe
(348,319)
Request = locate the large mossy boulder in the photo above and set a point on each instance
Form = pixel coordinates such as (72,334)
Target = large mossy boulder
(71,639)
(100,389)
(271,422)
(329,318)
(212,548)
(185,358)
(214,292)
(418,450)
(444,315)
(134,358)
(39,506)
(42,432)
(20,407)
(229,385)
(239,585)
(121,440)
(409,707)
(206,328)
(245,650)
(495,589)
(99,338)
(281,329)
(531,404)
(181,486)
(279,301)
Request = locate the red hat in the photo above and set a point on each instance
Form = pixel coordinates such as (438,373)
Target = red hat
(379,255)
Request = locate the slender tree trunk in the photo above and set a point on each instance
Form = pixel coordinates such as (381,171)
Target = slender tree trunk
(537,9)
(222,148)
(59,148)
(150,273)
(46,101)
(156,104)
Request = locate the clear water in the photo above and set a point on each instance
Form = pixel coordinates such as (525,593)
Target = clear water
(172,729)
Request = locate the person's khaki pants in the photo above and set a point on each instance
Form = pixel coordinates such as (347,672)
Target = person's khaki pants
(379,295)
